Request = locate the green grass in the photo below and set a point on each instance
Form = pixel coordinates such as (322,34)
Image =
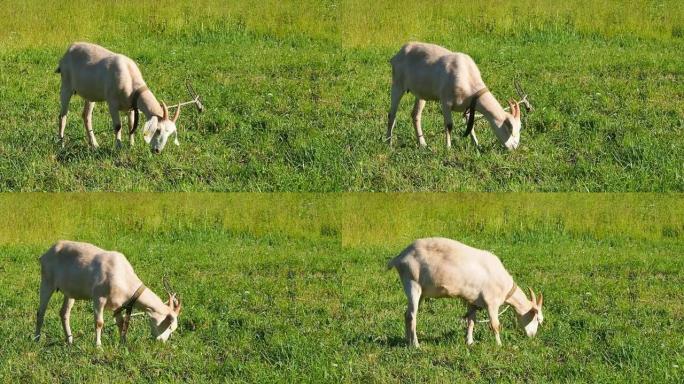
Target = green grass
(292,287)
(297,96)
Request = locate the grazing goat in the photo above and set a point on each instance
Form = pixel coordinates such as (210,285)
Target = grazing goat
(85,272)
(97,74)
(431,72)
(439,267)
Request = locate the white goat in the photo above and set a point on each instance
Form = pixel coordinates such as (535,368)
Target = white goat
(439,267)
(431,72)
(83,271)
(97,74)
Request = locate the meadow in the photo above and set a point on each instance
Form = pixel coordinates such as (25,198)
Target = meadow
(297,95)
(293,287)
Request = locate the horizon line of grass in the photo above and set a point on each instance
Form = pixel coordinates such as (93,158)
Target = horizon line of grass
(354,219)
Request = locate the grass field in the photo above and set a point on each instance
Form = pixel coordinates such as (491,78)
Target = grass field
(292,287)
(297,95)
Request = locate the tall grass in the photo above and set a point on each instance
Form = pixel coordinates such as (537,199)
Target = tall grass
(292,287)
(353,22)
(356,220)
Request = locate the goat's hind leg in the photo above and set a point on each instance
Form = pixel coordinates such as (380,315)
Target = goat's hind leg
(413,295)
(64,98)
(396,95)
(45,294)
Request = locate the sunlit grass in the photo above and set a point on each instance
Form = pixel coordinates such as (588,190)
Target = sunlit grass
(297,96)
(293,287)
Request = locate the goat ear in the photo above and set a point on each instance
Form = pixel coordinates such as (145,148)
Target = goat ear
(166,323)
(177,307)
(509,125)
(150,128)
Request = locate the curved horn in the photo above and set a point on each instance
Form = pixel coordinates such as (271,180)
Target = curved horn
(517,110)
(511,105)
(167,285)
(533,296)
(541,300)
(175,116)
(165,116)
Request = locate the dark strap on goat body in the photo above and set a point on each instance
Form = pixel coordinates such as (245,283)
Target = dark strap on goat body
(470,112)
(512,291)
(128,305)
(134,106)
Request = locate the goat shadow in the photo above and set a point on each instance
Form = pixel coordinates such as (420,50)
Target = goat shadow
(73,152)
(394,341)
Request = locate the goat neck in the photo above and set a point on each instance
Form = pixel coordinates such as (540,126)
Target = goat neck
(490,108)
(519,302)
(149,105)
(152,304)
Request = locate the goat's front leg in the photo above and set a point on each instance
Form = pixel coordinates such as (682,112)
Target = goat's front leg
(494,322)
(98,307)
(413,293)
(116,123)
(131,124)
(474,138)
(417,114)
(88,122)
(122,324)
(470,323)
(65,313)
(448,121)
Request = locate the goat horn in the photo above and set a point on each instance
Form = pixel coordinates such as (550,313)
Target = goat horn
(517,110)
(541,299)
(175,116)
(533,296)
(165,116)
(167,285)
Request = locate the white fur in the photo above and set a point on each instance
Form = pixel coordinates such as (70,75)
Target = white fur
(431,72)
(83,271)
(97,74)
(439,267)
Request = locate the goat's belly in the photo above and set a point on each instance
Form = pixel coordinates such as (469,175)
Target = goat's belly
(422,93)
(439,292)
(92,97)
(77,295)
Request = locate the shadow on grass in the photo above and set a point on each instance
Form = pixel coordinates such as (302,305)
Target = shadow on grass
(447,338)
